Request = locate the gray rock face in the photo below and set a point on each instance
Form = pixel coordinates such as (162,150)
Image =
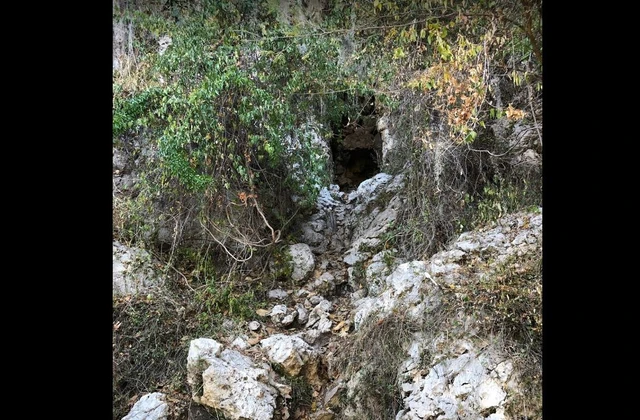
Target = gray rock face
(227,380)
(407,287)
(133,271)
(461,381)
(277,294)
(303,261)
(149,407)
(343,221)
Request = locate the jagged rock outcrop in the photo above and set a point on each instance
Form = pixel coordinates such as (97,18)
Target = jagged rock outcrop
(344,221)
(463,379)
(387,138)
(469,383)
(344,280)
(296,357)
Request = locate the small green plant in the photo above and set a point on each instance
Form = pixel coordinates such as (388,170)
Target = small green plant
(359,273)
(281,264)
(301,390)
(499,198)
(225,300)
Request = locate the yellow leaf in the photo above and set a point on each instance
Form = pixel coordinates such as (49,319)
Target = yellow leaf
(513,113)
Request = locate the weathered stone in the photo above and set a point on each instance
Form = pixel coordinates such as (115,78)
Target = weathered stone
(229,381)
(133,271)
(289,318)
(332,396)
(290,351)
(369,231)
(240,343)
(163,43)
(303,261)
(402,288)
(277,294)
(310,336)
(320,311)
(278,313)
(462,385)
(376,272)
(324,284)
(149,407)
(388,140)
(303,314)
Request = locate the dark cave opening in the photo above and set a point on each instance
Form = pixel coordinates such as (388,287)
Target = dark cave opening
(356,146)
(354,166)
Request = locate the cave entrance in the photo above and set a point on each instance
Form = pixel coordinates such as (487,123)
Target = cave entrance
(356,149)
(354,166)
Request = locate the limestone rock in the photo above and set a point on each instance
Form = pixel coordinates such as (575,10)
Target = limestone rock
(290,351)
(277,294)
(402,288)
(459,385)
(149,407)
(303,261)
(228,381)
(133,270)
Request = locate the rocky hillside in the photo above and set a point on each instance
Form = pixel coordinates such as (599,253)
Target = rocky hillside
(327,211)
(361,334)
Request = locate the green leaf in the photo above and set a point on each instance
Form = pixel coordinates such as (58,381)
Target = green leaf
(471,136)
(398,53)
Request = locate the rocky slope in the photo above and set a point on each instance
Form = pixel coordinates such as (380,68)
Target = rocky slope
(359,316)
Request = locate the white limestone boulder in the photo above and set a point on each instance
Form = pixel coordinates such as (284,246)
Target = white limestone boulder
(150,407)
(229,381)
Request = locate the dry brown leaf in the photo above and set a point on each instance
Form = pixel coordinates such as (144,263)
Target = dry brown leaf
(338,326)
(254,340)
(262,312)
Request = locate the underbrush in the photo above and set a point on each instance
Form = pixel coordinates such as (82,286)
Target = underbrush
(152,333)
(508,304)
(373,355)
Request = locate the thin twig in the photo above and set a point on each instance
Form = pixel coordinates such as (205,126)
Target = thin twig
(225,248)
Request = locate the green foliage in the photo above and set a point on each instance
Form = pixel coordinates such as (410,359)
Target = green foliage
(225,111)
(133,112)
(281,264)
(223,300)
(498,198)
(127,220)
(222,106)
